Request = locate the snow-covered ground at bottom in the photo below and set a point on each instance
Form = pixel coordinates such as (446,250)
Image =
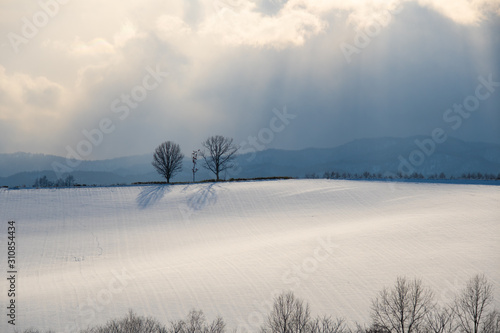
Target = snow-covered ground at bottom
(87,255)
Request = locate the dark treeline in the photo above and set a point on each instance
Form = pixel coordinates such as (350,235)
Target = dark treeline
(407,307)
(43,181)
(399,175)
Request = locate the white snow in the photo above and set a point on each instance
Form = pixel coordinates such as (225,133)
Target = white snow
(88,255)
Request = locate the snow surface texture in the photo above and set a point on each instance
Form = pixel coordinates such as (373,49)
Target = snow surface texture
(88,255)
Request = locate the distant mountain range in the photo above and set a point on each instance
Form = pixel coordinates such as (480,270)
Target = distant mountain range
(382,155)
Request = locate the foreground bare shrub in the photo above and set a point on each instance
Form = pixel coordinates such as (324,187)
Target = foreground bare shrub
(196,323)
(130,324)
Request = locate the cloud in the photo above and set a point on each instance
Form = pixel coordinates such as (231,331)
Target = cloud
(32,107)
(91,75)
(241,22)
(97,56)
(467,12)
(172,27)
(23,95)
(97,46)
(357,11)
(243,25)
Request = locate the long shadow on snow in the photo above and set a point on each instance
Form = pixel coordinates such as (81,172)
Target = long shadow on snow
(204,195)
(151,195)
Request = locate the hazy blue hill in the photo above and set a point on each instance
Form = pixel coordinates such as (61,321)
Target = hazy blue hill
(453,157)
(11,164)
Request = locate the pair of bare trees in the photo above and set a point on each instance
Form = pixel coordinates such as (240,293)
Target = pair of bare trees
(292,315)
(409,307)
(217,156)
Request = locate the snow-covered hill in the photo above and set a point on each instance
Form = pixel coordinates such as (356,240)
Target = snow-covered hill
(87,255)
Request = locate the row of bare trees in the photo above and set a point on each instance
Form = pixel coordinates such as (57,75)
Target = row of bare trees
(407,307)
(218,155)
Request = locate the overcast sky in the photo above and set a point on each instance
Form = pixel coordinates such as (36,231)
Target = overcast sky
(293,74)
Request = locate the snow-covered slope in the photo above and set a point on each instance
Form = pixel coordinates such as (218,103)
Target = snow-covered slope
(87,255)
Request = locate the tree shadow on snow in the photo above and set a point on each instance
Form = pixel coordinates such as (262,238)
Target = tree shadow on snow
(203,196)
(150,195)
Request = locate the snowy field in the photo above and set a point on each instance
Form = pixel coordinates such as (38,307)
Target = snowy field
(88,255)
